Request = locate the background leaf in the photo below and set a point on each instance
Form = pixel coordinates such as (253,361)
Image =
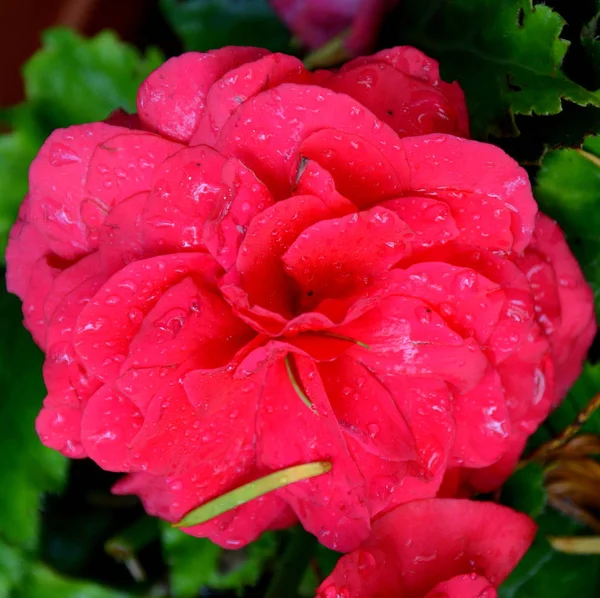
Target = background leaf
(71,80)
(208,24)
(197,563)
(42,582)
(28,468)
(506,55)
(568,189)
(546,573)
(524,490)
(586,387)
(17,150)
(74,80)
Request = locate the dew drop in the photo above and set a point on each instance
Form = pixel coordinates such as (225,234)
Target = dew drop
(447,309)
(113,300)
(423,314)
(176,486)
(464,280)
(366,563)
(61,154)
(135,315)
(567,282)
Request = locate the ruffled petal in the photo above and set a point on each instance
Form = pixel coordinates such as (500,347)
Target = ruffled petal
(402,87)
(57,179)
(331,506)
(119,167)
(464,586)
(407,337)
(241,83)
(482,423)
(108,323)
(267,131)
(269,236)
(429,219)
(26,245)
(365,410)
(488,193)
(109,424)
(186,190)
(226,227)
(563,301)
(361,170)
(172,99)
(419,545)
(340,256)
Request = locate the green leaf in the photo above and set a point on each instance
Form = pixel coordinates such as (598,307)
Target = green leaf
(590,42)
(292,564)
(325,560)
(586,387)
(28,467)
(42,582)
(207,24)
(524,490)
(506,55)
(12,569)
(195,563)
(21,577)
(568,190)
(545,572)
(17,150)
(71,80)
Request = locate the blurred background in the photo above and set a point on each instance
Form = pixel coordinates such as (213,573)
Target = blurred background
(23,21)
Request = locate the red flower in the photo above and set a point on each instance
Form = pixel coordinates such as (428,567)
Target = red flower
(260,237)
(436,548)
(316,23)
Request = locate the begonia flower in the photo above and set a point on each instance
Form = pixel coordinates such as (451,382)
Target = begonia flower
(267,268)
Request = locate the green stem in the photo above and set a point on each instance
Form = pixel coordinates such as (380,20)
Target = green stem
(251,490)
(296,385)
(124,546)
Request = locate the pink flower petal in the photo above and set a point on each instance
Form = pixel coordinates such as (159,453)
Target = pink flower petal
(266,132)
(172,99)
(338,256)
(239,84)
(101,341)
(419,545)
(488,193)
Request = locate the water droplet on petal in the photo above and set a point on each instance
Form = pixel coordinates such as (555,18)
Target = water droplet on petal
(447,309)
(464,280)
(373,430)
(366,563)
(176,486)
(135,315)
(423,314)
(61,154)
